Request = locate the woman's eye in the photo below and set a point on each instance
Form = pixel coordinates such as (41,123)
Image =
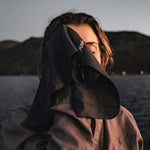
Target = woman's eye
(92,48)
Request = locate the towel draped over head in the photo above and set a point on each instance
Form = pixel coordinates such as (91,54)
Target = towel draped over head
(69,62)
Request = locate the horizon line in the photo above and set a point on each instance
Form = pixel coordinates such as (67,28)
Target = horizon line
(113,31)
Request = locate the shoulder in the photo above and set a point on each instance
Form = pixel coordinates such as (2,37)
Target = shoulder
(125,117)
(125,113)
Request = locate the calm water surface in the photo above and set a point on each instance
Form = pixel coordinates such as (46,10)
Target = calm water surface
(134,93)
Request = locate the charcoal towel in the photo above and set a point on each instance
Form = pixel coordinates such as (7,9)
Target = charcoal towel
(68,62)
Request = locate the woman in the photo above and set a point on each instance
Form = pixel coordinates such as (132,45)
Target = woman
(76,105)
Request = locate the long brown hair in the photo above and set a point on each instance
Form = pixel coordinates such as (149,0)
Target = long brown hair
(77,19)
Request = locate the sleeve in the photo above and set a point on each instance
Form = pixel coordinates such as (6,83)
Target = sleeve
(67,132)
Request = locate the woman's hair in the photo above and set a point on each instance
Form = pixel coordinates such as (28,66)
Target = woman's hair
(77,19)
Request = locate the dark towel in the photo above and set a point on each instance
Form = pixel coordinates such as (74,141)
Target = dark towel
(69,62)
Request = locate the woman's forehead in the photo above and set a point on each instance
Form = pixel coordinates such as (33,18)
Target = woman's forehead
(85,32)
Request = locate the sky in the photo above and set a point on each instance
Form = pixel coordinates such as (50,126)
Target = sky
(21,19)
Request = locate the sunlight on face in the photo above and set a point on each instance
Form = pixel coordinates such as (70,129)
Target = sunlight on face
(89,37)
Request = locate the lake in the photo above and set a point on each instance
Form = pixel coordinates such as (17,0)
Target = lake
(134,93)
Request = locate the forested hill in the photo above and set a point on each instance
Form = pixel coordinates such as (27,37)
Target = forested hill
(131,51)
(131,54)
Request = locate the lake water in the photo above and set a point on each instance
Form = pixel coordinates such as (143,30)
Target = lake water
(134,93)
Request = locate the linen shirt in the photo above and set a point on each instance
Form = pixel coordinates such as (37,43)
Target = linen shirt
(69,132)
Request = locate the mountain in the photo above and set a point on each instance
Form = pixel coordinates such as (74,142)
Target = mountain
(20,59)
(7,44)
(131,54)
(131,51)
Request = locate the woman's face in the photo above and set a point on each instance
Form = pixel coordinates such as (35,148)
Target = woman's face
(89,37)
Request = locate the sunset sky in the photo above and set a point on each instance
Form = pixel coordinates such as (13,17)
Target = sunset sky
(21,19)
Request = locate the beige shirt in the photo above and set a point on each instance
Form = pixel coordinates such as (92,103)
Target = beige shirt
(69,132)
